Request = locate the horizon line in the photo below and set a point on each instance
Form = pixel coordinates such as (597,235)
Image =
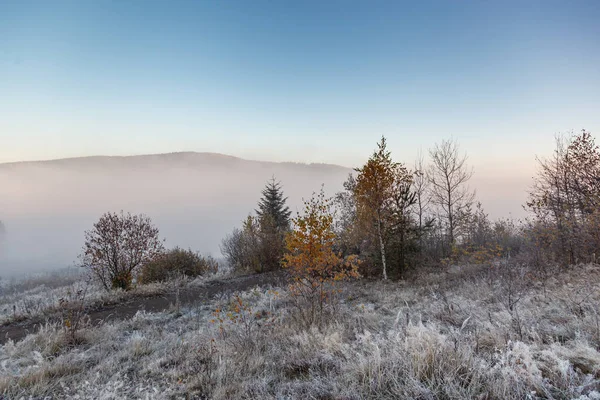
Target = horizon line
(50,160)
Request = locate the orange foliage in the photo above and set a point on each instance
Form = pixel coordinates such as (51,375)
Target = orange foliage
(312,261)
(383,196)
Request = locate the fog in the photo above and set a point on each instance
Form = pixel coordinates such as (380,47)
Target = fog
(195,199)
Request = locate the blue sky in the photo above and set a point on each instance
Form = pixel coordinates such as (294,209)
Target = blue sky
(296,80)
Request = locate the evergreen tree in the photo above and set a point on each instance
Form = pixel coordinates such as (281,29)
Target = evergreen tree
(373,191)
(272,206)
(384,196)
(260,245)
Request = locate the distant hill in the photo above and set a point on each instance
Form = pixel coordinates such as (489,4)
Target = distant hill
(194,198)
(179,159)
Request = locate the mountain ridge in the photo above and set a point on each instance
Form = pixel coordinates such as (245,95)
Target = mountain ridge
(195,199)
(180,156)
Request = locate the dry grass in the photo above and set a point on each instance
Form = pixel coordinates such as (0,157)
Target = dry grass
(22,300)
(447,337)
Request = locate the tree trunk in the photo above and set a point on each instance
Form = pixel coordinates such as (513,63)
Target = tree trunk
(402,254)
(382,246)
(420,226)
(450,214)
(451,233)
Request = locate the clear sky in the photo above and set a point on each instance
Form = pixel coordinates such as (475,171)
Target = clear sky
(296,80)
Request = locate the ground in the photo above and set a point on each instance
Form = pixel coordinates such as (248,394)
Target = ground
(448,335)
(156,298)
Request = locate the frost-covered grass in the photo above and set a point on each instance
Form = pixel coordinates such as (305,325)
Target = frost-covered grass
(32,295)
(39,296)
(443,337)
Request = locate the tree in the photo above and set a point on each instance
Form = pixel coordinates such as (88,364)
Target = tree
(583,159)
(312,261)
(448,176)
(382,194)
(401,223)
(477,230)
(349,240)
(271,239)
(257,247)
(550,195)
(232,248)
(117,246)
(565,196)
(422,199)
(273,222)
(241,248)
(272,205)
(252,243)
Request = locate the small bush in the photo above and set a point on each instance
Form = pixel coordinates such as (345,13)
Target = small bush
(73,313)
(313,264)
(117,246)
(239,320)
(177,263)
(257,247)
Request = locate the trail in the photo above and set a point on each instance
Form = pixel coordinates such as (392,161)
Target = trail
(127,309)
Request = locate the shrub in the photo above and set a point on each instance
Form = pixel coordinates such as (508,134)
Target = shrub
(118,246)
(312,262)
(241,248)
(73,313)
(239,320)
(176,263)
(257,247)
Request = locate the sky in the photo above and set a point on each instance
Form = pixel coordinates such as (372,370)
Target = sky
(297,80)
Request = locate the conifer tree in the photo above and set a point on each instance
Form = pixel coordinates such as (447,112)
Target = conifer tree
(383,196)
(260,245)
(273,206)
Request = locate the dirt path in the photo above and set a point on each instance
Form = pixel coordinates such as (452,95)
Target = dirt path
(129,308)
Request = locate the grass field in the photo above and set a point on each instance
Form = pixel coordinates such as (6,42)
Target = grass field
(450,336)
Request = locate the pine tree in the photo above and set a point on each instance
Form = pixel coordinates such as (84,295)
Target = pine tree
(272,205)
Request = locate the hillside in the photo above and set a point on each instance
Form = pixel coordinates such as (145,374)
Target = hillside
(448,335)
(194,198)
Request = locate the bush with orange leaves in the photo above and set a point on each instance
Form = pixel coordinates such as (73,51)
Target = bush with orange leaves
(314,265)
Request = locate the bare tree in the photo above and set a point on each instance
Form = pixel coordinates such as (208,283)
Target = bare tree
(566,194)
(551,197)
(448,175)
(345,221)
(117,246)
(422,195)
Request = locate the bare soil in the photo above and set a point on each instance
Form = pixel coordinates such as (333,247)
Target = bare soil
(186,296)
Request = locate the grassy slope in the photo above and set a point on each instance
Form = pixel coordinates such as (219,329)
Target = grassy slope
(449,336)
